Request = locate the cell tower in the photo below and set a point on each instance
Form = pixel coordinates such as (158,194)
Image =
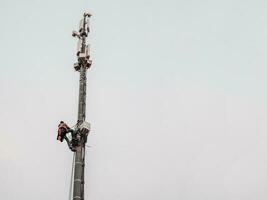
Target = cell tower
(82,128)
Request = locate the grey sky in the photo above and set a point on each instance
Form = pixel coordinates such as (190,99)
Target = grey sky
(176,99)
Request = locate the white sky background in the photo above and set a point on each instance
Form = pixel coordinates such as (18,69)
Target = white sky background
(176,99)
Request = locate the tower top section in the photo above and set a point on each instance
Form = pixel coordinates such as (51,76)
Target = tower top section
(83,49)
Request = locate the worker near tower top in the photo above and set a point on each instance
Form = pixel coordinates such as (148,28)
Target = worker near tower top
(63,129)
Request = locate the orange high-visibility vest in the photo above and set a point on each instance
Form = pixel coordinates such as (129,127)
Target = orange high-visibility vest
(61,127)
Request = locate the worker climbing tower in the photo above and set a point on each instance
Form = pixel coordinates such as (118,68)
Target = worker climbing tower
(82,128)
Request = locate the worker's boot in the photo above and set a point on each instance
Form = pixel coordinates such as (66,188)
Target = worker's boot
(74,142)
(72,148)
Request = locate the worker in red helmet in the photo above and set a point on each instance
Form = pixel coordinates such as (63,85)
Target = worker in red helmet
(63,129)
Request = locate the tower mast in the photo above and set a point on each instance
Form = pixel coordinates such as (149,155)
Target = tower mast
(81,66)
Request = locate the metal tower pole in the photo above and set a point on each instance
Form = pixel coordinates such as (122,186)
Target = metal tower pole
(83,64)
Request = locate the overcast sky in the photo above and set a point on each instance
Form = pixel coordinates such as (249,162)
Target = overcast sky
(176,99)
